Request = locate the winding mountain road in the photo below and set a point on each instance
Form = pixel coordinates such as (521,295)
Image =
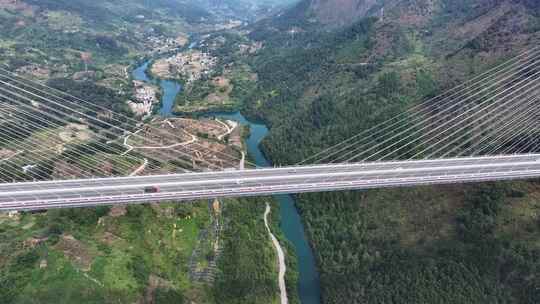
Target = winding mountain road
(281,259)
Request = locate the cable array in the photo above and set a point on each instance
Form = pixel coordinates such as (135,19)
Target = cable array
(50,134)
(36,117)
(493,113)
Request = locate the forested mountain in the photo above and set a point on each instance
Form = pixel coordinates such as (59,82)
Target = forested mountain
(330,69)
(245,9)
(333,81)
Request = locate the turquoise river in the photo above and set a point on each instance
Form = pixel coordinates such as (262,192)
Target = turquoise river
(291,223)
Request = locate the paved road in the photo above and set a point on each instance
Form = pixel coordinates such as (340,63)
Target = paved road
(255,182)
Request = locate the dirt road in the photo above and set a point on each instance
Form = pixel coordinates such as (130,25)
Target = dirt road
(281,259)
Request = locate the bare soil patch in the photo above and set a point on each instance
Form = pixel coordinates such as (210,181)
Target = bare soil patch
(75,251)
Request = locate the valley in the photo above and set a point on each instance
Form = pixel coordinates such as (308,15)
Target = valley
(226,85)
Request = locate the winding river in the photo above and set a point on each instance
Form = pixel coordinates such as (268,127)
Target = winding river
(291,224)
(169,88)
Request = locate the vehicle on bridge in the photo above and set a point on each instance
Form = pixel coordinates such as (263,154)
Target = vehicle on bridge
(151,189)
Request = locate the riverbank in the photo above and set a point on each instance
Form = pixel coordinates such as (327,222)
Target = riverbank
(291,224)
(169,88)
(290,221)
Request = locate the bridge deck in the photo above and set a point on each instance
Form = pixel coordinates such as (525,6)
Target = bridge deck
(254,182)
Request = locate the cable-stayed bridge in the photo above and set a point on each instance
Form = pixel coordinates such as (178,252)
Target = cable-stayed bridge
(258,182)
(60,151)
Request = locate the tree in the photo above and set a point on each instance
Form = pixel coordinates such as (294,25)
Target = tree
(389,84)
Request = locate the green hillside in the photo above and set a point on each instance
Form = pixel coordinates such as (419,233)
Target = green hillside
(138,254)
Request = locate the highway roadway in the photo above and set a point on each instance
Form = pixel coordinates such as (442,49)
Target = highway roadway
(264,181)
